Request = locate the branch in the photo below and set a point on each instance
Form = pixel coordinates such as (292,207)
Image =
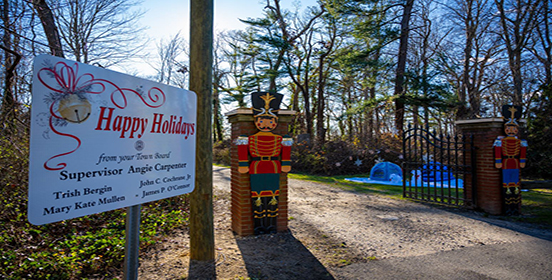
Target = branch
(17,59)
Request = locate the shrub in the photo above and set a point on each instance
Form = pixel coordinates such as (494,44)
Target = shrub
(339,157)
(221,152)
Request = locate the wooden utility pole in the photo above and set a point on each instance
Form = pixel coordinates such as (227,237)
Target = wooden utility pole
(202,238)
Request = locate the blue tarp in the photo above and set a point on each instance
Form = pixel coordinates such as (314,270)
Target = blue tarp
(417,181)
(368,181)
(385,173)
(435,172)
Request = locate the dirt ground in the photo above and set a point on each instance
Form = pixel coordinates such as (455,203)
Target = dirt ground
(330,229)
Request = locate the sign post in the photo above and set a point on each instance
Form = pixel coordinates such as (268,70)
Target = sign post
(102,140)
(132,244)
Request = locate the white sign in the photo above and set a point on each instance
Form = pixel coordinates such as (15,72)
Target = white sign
(102,140)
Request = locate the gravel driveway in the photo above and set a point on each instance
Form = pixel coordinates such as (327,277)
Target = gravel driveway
(383,228)
(338,234)
(415,241)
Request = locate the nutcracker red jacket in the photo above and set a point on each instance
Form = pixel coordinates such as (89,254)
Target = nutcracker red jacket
(265,149)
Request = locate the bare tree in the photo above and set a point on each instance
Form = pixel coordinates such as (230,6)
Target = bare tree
(328,46)
(106,32)
(218,73)
(11,60)
(425,44)
(479,50)
(172,68)
(518,19)
(299,65)
(298,61)
(541,43)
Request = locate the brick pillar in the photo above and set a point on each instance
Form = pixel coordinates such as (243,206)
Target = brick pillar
(242,218)
(488,178)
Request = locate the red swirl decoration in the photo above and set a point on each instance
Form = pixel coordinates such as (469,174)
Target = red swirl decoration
(64,79)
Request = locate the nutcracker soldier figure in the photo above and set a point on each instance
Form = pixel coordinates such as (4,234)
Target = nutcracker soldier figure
(264,155)
(510,157)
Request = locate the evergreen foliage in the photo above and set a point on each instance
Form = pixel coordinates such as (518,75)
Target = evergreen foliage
(539,157)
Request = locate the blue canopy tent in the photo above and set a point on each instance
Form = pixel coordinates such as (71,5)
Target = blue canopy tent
(384,171)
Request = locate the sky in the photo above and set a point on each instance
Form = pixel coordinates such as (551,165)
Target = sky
(165,18)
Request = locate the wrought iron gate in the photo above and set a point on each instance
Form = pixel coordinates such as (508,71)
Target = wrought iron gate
(438,168)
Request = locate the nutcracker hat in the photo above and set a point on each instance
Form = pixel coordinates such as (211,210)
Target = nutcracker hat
(511,114)
(266,103)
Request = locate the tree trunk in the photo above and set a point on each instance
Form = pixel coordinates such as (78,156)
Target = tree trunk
(463,112)
(7,112)
(308,113)
(50,29)
(320,106)
(371,116)
(306,94)
(217,121)
(515,68)
(347,104)
(364,128)
(543,30)
(8,100)
(401,66)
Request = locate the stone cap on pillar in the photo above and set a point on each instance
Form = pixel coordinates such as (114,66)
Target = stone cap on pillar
(246,114)
(483,123)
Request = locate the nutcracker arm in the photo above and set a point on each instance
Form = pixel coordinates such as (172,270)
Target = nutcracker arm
(498,152)
(523,153)
(243,156)
(287,142)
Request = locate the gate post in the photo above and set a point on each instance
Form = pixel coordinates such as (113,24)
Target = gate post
(488,195)
(242,123)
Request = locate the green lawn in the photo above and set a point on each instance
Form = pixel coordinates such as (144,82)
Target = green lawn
(536,207)
(340,182)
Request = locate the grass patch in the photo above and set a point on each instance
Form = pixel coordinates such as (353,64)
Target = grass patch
(340,182)
(345,262)
(450,196)
(536,207)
